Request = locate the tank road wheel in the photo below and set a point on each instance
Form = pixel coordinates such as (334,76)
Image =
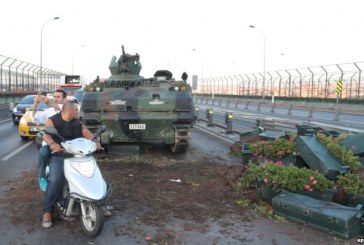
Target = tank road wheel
(182,139)
(92,219)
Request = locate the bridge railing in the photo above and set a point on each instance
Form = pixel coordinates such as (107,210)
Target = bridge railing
(17,76)
(318,81)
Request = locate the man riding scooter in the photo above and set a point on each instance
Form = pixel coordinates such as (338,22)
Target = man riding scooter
(69,127)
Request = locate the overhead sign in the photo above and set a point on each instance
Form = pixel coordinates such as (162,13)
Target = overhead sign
(339,86)
(72,79)
(194,82)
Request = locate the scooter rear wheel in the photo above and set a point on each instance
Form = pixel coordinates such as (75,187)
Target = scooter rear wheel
(92,219)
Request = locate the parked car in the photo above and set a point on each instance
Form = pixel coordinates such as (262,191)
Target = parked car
(27,128)
(19,109)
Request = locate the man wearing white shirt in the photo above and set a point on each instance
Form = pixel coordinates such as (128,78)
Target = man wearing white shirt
(41,118)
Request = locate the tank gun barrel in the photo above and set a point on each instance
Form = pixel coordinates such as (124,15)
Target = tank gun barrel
(123,50)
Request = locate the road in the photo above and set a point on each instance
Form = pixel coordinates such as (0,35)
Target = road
(21,215)
(245,117)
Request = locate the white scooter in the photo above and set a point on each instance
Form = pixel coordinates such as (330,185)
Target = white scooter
(84,191)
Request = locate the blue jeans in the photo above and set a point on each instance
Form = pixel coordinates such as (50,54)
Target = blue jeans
(43,157)
(55,181)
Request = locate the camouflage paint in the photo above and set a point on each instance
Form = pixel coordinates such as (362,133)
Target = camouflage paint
(165,106)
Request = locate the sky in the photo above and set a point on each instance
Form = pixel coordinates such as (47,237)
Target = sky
(203,37)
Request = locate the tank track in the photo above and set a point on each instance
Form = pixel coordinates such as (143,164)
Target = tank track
(182,139)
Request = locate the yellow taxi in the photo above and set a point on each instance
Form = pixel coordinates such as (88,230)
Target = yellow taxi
(27,128)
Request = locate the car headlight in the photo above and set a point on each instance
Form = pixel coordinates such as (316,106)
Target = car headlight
(15,110)
(23,121)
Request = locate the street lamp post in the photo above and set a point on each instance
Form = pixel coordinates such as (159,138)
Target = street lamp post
(41,47)
(263,93)
(201,61)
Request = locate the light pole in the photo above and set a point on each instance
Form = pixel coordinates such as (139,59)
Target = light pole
(41,47)
(201,60)
(263,93)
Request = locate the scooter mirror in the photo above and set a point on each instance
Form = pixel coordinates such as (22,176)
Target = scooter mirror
(51,131)
(102,129)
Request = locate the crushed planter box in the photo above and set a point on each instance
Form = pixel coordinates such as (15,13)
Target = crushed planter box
(246,153)
(317,157)
(354,143)
(272,135)
(250,134)
(330,217)
(305,130)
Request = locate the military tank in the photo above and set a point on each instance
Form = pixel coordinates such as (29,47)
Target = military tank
(137,109)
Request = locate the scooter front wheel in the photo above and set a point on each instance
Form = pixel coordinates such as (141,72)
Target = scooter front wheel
(92,219)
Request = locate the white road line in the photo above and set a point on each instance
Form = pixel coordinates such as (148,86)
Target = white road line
(16,151)
(5,120)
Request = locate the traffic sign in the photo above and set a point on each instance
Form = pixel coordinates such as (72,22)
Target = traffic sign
(339,86)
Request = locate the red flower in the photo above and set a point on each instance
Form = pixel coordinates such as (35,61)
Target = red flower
(148,238)
(280,153)
(279,163)
(312,178)
(265,180)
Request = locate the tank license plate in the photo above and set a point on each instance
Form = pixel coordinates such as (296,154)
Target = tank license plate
(140,126)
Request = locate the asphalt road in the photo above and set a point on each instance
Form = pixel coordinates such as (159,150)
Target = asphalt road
(245,118)
(18,157)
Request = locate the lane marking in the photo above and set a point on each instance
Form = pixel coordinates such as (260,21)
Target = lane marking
(17,151)
(5,120)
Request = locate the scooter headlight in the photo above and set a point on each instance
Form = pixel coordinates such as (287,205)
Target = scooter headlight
(86,169)
(71,149)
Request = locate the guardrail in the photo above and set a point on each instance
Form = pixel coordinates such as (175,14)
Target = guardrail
(5,110)
(311,107)
(251,122)
(6,106)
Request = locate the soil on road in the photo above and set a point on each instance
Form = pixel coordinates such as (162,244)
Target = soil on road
(174,199)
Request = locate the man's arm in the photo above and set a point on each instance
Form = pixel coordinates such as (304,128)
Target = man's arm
(51,103)
(35,105)
(55,147)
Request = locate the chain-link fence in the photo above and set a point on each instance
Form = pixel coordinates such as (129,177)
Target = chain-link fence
(319,81)
(19,76)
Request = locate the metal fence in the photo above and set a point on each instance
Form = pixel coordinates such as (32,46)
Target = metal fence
(319,81)
(17,76)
